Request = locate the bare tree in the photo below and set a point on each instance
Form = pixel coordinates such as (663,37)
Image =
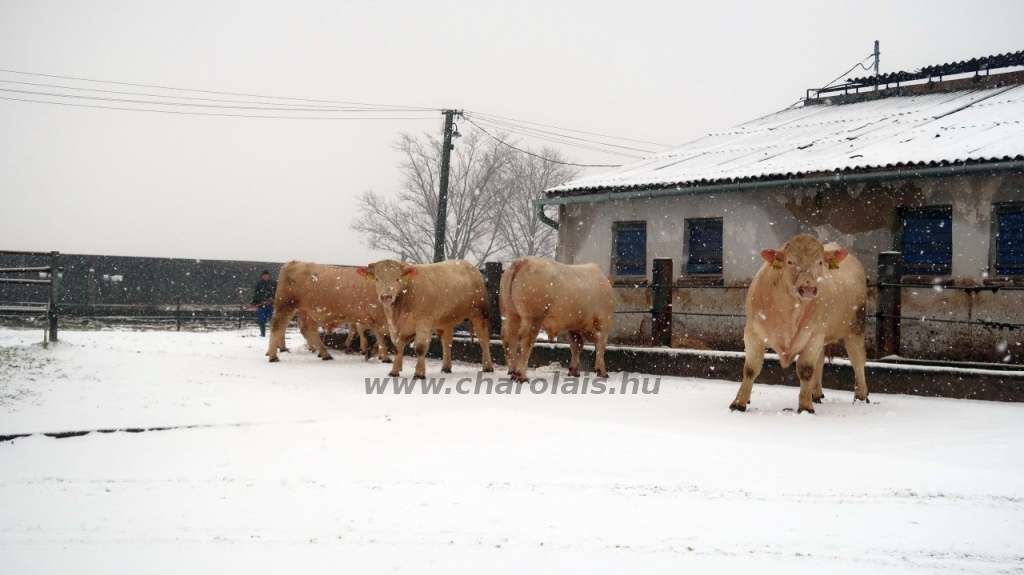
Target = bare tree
(522,233)
(405,225)
(490,188)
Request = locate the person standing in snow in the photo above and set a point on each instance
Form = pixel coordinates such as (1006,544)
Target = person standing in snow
(263,300)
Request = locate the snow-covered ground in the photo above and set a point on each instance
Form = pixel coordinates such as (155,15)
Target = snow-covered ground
(295,468)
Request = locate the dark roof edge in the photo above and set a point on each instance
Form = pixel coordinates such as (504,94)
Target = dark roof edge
(609,194)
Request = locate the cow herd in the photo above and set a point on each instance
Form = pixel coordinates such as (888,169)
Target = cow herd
(805,296)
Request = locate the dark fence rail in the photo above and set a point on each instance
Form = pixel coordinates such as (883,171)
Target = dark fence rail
(52,281)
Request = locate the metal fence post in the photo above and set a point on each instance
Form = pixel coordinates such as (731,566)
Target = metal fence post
(890,274)
(492,279)
(52,312)
(177,313)
(662,299)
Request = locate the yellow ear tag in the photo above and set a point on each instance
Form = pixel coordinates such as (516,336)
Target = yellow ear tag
(833,265)
(370,277)
(776,265)
(406,277)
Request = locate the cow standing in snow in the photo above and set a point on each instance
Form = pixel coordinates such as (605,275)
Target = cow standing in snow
(327,296)
(538,294)
(419,300)
(805,296)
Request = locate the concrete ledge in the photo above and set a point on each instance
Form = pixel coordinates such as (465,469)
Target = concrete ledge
(883,377)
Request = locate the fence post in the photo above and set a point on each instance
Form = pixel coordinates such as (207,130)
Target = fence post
(492,279)
(661,325)
(52,312)
(890,273)
(177,313)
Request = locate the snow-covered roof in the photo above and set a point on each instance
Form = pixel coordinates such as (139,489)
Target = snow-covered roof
(930,129)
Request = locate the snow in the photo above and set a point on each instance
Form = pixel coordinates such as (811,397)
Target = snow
(299,470)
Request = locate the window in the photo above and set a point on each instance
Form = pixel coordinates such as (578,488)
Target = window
(704,246)
(926,240)
(630,250)
(1009,240)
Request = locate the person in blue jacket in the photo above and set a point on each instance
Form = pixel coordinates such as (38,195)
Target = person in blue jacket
(263,300)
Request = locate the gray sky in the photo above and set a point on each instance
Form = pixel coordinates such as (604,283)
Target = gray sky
(84,180)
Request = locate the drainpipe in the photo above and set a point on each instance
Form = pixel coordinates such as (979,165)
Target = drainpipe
(840,178)
(542,216)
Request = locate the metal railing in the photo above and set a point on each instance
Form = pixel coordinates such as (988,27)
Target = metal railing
(52,281)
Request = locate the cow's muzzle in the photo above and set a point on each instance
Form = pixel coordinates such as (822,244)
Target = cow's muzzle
(387,298)
(808,291)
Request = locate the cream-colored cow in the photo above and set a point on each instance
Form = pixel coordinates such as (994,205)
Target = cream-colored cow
(326,296)
(419,300)
(539,294)
(805,296)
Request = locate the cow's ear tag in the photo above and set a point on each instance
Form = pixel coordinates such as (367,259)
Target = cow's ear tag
(776,264)
(833,264)
(407,277)
(370,277)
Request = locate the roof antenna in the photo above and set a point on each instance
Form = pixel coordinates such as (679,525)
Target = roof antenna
(877,54)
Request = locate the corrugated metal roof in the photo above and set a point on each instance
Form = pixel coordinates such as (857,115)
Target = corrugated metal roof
(897,131)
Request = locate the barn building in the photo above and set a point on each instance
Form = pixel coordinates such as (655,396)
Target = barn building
(929,164)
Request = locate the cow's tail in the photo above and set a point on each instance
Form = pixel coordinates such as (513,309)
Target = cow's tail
(512,271)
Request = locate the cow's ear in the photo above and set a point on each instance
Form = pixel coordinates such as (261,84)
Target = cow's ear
(833,257)
(365,273)
(409,273)
(773,257)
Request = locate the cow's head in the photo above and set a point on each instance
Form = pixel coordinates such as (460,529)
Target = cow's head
(390,278)
(803,263)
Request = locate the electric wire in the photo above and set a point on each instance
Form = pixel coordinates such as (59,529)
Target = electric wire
(510,126)
(555,140)
(571,130)
(503,142)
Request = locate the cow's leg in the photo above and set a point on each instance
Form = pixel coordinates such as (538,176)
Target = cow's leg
(753,347)
(310,330)
(807,371)
(364,341)
(278,324)
(600,342)
(816,393)
(528,331)
(575,346)
(400,343)
(420,345)
(352,329)
(382,345)
(855,347)
(483,332)
(510,340)
(446,335)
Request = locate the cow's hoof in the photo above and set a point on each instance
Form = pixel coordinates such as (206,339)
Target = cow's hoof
(386,360)
(864,399)
(573,372)
(393,373)
(446,370)
(326,357)
(286,350)
(520,378)
(817,399)
(486,370)
(274,360)
(602,374)
(737,407)
(419,376)
(803,409)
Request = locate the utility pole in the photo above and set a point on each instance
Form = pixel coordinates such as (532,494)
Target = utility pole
(442,193)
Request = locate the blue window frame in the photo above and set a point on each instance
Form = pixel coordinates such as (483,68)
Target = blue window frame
(630,251)
(926,240)
(1009,239)
(704,246)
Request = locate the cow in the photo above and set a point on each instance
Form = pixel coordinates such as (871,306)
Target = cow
(425,298)
(539,294)
(804,297)
(310,331)
(326,296)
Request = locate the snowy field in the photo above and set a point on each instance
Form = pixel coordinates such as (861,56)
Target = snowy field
(294,468)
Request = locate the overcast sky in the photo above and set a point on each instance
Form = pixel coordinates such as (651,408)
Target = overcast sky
(111,182)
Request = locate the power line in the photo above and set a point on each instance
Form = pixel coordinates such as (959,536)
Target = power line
(510,125)
(503,142)
(214,92)
(555,140)
(571,130)
(183,113)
